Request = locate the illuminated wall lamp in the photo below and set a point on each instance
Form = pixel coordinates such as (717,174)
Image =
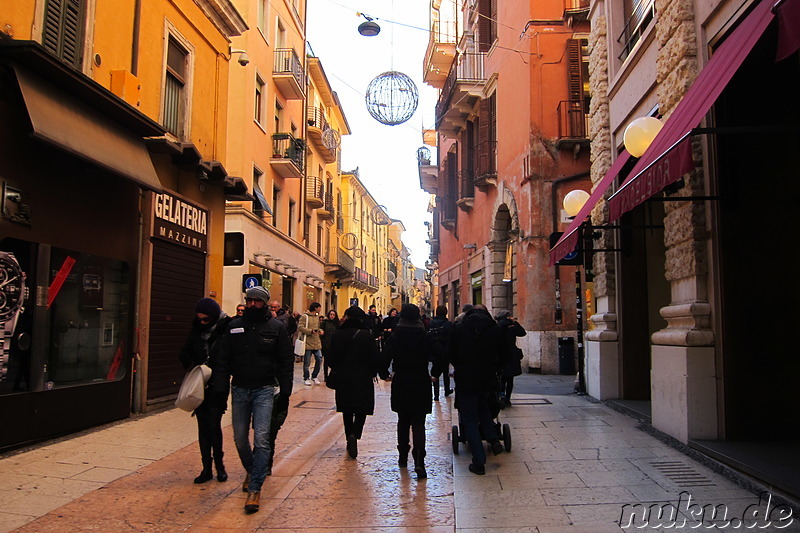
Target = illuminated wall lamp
(574,200)
(639,134)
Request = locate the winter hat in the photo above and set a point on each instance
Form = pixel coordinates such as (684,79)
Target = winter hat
(209,307)
(503,313)
(409,312)
(258,293)
(355,313)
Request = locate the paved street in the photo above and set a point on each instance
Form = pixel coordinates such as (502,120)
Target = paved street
(574,464)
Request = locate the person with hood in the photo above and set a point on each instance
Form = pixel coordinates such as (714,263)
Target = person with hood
(408,352)
(439,332)
(459,317)
(256,353)
(372,320)
(512,329)
(388,325)
(328,326)
(207,327)
(477,351)
(308,327)
(354,360)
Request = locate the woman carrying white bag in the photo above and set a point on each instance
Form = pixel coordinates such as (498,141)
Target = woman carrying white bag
(207,328)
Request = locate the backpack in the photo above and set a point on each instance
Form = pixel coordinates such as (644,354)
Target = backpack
(438,337)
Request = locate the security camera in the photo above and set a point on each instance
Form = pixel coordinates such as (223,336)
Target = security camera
(243,59)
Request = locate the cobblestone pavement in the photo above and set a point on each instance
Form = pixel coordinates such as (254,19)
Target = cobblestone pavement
(575,466)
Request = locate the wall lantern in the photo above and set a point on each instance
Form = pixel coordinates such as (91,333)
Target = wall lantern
(574,200)
(640,133)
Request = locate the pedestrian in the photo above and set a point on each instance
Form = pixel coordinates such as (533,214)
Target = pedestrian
(207,328)
(373,322)
(354,360)
(512,329)
(408,352)
(308,327)
(388,324)
(460,316)
(477,351)
(283,314)
(439,333)
(257,353)
(240,310)
(329,326)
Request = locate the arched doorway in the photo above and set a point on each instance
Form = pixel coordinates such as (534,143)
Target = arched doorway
(503,264)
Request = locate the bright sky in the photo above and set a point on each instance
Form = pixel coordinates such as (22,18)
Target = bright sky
(386,156)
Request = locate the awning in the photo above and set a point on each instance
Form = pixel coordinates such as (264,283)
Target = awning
(68,123)
(669,156)
(569,239)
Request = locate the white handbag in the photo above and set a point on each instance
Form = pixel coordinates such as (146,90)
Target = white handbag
(300,344)
(192,390)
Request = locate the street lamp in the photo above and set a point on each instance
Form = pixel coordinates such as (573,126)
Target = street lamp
(573,203)
(639,134)
(369,28)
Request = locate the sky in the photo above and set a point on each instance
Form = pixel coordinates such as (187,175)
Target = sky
(386,156)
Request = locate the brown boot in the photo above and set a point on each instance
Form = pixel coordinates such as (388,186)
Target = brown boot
(251,505)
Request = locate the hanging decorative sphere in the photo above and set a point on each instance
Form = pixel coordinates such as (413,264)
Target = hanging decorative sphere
(639,134)
(392,98)
(331,139)
(424,155)
(574,200)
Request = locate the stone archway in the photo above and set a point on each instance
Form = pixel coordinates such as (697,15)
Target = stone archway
(505,229)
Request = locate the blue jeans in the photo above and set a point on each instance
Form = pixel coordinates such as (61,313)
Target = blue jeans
(476,419)
(253,406)
(307,363)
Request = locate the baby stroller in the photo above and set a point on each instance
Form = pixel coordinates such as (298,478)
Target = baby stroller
(503,430)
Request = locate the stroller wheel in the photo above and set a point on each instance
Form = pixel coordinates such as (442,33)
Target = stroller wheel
(455,440)
(507,437)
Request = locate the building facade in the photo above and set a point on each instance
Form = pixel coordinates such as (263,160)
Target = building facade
(684,327)
(512,142)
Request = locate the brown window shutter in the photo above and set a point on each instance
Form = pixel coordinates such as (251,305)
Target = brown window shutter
(484,25)
(63,30)
(575,81)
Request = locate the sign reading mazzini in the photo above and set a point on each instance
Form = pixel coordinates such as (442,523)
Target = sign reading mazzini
(180,222)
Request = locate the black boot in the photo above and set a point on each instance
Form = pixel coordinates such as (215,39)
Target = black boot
(206,474)
(419,463)
(222,475)
(402,459)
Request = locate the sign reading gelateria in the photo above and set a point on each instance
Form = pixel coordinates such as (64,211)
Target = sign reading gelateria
(177,221)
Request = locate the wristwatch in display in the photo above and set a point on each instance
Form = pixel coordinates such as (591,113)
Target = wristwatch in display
(12,295)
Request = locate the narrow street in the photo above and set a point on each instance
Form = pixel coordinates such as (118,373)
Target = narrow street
(574,464)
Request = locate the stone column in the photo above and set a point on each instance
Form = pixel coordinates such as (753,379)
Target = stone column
(683,378)
(602,349)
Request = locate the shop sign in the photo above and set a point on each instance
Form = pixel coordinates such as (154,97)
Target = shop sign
(177,221)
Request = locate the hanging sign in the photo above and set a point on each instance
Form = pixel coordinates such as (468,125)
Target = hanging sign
(180,222)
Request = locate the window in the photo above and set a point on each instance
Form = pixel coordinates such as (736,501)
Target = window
(258,111)
(278,116)
(275,195)
(260,206)
(319,240)
(291,218)
(280,35)
(487,24)
(339,214)
(307,230)
(174,88)
(638,15)
(63,30)
(263,17)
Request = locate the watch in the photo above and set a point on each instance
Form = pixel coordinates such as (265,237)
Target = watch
(12,295)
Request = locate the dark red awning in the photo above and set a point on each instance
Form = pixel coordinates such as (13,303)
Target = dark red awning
(569,239)
(669,156)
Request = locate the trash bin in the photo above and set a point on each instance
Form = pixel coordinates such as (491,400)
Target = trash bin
(566,355)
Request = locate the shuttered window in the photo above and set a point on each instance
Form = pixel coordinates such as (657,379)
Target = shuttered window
(175,81)
(63,30)
(487,24)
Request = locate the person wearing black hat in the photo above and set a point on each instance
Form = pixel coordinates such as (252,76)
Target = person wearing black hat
(408,352)
(256,353)
(207,328)
(354,360)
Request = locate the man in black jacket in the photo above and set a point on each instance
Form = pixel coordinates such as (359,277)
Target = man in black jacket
(257,353)
(477,351)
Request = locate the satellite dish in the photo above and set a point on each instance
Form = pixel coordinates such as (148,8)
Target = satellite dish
(349,241)
(390,277)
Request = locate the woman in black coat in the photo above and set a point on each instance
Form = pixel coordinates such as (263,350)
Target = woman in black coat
(207,327)
(328,325)
(511,329)
(388,324)
(354,359)
(408,353)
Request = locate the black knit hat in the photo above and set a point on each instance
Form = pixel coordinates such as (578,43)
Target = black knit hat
(209,307)
(409,312)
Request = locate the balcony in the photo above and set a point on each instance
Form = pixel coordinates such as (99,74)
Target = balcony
(326,211)
(576,11)
(314,197)
(486,175)
(461,93)
(428,173)
(448,205)
(317,126)
(288,75)
(440,53)
(288,155)
(573,124)
(365,281)
(466,180)
(340,263)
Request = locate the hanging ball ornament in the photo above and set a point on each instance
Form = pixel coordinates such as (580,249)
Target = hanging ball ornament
(392,98)
(640,133)
(331,139)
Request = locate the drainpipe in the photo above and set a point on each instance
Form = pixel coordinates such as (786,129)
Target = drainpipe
(137,19)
